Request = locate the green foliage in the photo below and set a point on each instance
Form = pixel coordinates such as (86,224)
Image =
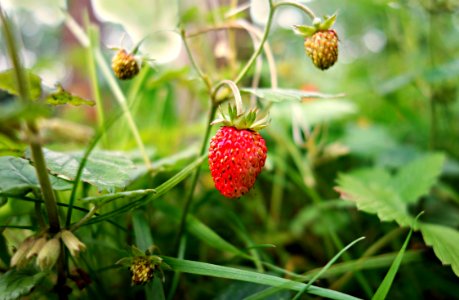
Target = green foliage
(385,285)
(286,95)
(8,83)
(206,269)
(381,124)
(17,283)
(445,243)
(104,169)
(18,177)
(373,192)
(376,191)
(62,96)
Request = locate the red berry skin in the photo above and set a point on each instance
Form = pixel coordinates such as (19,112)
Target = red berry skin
(236,157)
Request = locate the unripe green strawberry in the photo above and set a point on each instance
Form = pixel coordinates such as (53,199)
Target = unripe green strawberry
(322,48)
(124,65)
(236,157)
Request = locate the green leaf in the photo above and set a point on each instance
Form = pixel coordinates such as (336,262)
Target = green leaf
(445,243)
(105,169)
(14,111)
(384,287)
(415,179)
(16,283)
(62,96)
(281,95)
(8,83)
(372,191)
(206,269)
(128,195)
(160,191)
(18,177)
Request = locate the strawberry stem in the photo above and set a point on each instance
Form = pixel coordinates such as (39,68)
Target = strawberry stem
(236,93)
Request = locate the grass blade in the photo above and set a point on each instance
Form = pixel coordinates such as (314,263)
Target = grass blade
(384,287)
(206,269)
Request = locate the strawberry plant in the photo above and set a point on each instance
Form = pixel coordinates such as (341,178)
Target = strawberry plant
(188,150)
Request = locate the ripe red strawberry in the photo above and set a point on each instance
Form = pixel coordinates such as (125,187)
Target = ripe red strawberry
(322,48)
(236,157)
(125,65)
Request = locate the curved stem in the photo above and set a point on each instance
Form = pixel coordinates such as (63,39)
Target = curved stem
(254,33)
(83,220)
(254,56)
(298,5)
(234,90)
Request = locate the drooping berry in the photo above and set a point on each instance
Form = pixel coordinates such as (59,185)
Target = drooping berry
(236,158)
(322,48)
(124,65)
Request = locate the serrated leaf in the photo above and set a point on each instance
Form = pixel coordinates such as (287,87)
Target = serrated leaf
(416,178)
(64,97)
(289,95)
(445,243)
(18,177)
(372,191)
(107,170)
(16,283)
(8,83)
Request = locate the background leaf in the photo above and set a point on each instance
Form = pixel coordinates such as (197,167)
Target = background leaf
(64,97)
(415,179)
(107,170)
(445,243)
(281,95)
(372,192)
(8,83)
(16,283)
(18,177)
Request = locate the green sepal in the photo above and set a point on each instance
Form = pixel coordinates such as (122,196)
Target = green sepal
(136,251)
(307,31)
(125,261)
(328,22)
(247,120)
(304,30)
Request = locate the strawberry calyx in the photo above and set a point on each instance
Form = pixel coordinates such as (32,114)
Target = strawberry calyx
(242,120)
(318,25)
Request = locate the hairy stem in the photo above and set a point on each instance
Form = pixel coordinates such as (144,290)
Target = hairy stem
(35,142)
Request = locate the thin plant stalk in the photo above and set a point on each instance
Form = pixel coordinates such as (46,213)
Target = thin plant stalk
(116,90)
(34,136)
